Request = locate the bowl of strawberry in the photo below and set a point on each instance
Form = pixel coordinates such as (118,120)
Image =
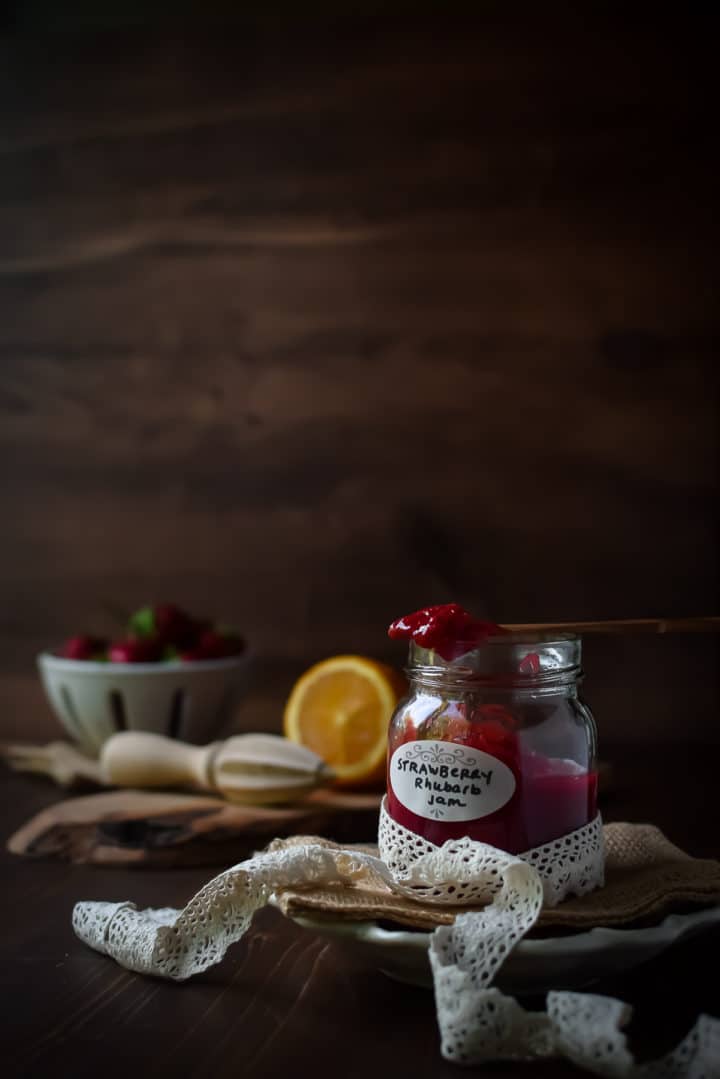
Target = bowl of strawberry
(169,672)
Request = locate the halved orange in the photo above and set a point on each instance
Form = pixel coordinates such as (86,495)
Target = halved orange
(341,709)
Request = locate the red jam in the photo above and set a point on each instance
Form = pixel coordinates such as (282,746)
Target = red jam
(460,763)
(447,629)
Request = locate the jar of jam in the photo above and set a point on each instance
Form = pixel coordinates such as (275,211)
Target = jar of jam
(493,742)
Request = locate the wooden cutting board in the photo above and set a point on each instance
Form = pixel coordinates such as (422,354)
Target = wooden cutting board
(148,828)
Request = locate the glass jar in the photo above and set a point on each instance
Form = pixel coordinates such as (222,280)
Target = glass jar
(495,745)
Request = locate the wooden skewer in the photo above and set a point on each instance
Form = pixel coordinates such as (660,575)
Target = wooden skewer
(706,624)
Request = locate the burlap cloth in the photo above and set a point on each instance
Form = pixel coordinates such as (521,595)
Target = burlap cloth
(646,877)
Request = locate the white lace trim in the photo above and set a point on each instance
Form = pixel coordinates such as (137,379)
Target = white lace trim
(177,944)
(584,1028)
(466,873)
(476,1021)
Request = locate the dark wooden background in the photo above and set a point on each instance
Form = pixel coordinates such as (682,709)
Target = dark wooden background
(305,323)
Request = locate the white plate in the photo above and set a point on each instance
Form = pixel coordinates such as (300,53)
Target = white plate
(534,966)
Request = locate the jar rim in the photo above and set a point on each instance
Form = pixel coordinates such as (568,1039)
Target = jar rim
(553,656)
(506,640)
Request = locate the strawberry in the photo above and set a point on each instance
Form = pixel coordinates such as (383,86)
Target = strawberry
(135,650)
(212,644)
(175,626)
(82,647)
(168,623)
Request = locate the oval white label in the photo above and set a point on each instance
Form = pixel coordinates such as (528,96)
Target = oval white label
(443,781)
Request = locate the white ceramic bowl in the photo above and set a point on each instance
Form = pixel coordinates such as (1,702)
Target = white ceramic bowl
(185,700)
(534,966)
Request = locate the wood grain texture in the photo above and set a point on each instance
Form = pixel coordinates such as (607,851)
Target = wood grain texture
(284,1002)
(308,324)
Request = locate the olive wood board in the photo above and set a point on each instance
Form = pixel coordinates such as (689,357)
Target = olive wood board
(149,828)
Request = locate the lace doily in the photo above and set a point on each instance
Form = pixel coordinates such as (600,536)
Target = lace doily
(476,1021)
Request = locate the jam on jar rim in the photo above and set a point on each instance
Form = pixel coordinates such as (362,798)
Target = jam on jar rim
(445,634)
(444,628)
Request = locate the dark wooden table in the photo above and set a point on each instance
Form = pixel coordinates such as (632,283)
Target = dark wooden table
(285,1001)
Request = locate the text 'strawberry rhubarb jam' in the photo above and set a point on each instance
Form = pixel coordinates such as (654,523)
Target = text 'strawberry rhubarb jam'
(493,741)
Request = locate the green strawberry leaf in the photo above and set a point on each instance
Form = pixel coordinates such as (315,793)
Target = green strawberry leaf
(142,623)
